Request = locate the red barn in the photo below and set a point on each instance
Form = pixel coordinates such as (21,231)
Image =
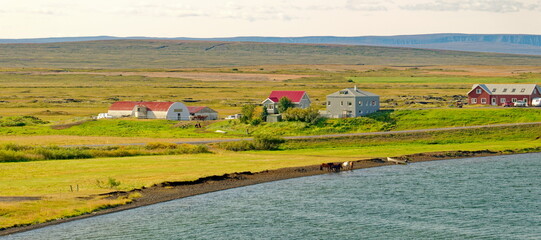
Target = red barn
(499,94)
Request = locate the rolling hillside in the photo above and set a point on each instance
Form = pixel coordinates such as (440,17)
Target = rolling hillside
(498,43)
(189,54)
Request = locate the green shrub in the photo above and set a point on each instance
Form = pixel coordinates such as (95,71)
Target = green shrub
(260,142)
(50,153)
(309,115)
(267,142)
(158,145)
(237,146)
(13,156)
(19,121)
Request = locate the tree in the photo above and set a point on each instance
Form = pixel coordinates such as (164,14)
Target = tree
(309,115)
(264,114)
(247,113)
(283,104)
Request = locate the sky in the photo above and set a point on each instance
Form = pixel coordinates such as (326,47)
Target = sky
(279,18)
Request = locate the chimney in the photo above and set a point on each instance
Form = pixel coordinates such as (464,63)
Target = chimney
(355,88)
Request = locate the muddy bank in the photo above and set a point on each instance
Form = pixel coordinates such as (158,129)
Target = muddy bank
(168,191)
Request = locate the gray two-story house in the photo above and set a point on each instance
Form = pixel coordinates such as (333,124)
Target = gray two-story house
(351,102)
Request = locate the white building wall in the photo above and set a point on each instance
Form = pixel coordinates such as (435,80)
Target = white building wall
(176,110)
(119,113)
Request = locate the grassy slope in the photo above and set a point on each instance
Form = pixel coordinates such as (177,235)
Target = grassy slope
(182,54)
(35,178)
(381,121)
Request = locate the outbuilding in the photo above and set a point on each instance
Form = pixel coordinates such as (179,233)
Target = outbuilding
(202,113)
(499,94)
(150,110)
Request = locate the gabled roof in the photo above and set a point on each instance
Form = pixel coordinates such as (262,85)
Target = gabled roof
(197,109)
(294,96)
(507,89)
(152,106)
(352,92)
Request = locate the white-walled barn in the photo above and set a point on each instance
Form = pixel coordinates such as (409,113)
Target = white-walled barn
(150,110)
(202,113)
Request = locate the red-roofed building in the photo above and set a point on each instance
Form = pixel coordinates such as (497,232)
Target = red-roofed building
(299,99)
(150,110)
(202,113)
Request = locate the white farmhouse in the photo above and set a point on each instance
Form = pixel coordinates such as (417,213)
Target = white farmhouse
(351,102)
(150,110)
(299,99)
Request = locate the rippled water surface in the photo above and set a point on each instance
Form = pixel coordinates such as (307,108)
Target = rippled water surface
(476,198)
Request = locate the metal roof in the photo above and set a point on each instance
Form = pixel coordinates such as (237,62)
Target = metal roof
(352,92)
(507,89)
(153,106)
(294,96)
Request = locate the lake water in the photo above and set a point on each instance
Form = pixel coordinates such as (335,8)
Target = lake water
(475,198)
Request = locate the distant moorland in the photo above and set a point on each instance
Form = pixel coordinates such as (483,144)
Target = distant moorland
(498,43)
(188,54)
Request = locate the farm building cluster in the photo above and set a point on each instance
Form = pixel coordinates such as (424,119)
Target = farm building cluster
(345,103)
(159,110)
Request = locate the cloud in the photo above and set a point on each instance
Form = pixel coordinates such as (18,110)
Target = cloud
(497,6)
(367,5)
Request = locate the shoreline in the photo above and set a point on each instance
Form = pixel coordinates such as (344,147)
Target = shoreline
(169,191)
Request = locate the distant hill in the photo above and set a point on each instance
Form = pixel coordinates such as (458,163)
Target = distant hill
(191,54)
(498,43)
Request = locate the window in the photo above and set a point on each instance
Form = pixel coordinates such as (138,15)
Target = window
(483,101)
(178,110)
(478,91)
(329,103)
(502,100)
(343,92)
(349,103)
(474,100)
(360,103)
(341,103)
(373,103)
(505,90)
(525,100)
(524,89)
(513,100)
(494,90)
(514,89)
(271,106)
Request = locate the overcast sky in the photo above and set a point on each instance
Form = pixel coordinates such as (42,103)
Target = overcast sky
(228,18)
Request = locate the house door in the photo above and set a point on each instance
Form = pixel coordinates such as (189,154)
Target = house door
(178,116)
(493,101)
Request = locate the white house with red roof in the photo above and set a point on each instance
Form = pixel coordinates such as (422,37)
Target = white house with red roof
(150,110)
(299,99)
(202,113)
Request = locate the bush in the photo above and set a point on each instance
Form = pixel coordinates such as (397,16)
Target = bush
(19,121)
(13,156)
(261,142)
(154,146)
(308,115)
(266,142)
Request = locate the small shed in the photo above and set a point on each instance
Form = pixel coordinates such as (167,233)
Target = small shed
(150,110)
(202,113)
